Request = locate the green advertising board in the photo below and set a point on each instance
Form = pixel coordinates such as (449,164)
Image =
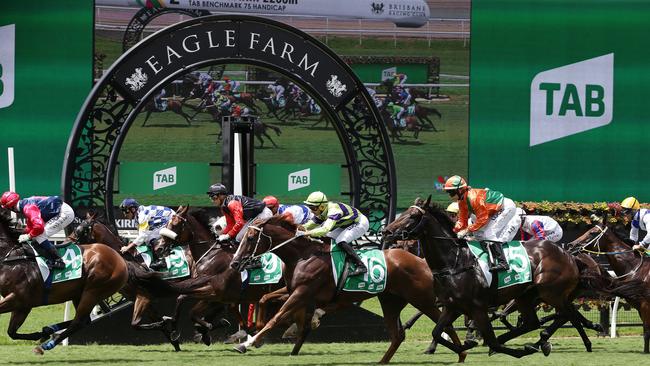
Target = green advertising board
(297,181)
(376,73)
(46,55)
(558,99)
(161,179)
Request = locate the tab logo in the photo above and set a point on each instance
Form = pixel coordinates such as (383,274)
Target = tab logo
(571,99)
(299,179)
(7,59)
(388,73)
(164,178)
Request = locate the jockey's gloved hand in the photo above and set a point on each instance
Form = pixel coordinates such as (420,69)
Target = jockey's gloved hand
(223,238)
(463,234)
(639,247)
(300,233)
(23,238)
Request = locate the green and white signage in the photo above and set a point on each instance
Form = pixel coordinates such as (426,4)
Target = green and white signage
(159,178)
(559,98)
(297,180)
(46,56)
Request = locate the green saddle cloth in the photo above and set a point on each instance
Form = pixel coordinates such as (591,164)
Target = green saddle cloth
(517,260)
(373,281)
(176,262)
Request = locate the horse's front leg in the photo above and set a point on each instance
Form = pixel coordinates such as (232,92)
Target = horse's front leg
(298,299)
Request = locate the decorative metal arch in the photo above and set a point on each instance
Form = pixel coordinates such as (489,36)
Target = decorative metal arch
(115,101)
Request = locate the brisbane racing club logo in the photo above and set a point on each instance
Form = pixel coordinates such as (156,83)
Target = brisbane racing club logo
(335,86)
(137,80)
(377,8)
(571,99)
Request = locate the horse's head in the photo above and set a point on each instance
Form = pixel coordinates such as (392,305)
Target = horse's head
(8,235)
(83,233)
(597,239)
(409,225)
(176,231)
(261,237)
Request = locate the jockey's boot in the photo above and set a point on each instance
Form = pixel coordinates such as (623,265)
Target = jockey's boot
(500,261)
(158,264)
(360,268)
(55,260)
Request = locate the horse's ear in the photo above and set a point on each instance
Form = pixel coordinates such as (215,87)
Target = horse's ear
(427,204)
(418,202)
(182,210)
(91,215)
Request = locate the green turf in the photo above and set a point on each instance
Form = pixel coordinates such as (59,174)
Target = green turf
(566,352)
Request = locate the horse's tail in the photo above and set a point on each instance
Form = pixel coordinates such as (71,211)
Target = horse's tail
(277,130)
(153,283)
(607,285)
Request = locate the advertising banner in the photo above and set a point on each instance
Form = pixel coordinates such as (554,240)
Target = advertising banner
(298,180)
(156,178)
(46,55)
(558,99)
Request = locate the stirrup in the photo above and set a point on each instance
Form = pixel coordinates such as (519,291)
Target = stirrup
(360,269)
(56,263)
(160,264)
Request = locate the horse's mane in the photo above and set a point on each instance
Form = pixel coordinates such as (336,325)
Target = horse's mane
(7,222)
(281,220)
(201,216)
(440,215)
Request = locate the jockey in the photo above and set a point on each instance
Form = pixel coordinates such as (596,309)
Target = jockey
(452,212)
(222,101)
(158,100)
(396,113)
(150,220)
(240,211)
(44,217)
(405,97)
(298,214)
(539,227)
(205,79)
(399,79)
(640,221)
(338,221)
(496,219)
(277,91)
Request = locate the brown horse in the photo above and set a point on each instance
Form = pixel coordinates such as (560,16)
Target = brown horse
(143,286)
(173,105)
(247,99)
(625,262)
(225,284)
(309,278)
(462,287)
(104,273)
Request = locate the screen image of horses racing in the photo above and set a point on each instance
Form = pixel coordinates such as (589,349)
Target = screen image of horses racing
(334,182)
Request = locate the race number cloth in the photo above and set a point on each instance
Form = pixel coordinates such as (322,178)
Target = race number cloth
(71,255)
(373,281)
(177,266)
(517,259)
(270,273)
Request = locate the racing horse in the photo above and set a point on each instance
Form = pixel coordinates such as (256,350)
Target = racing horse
(21,285)
(173,105)
(626,263)
(309,278)
(225,285)
(463,289)
(142,285)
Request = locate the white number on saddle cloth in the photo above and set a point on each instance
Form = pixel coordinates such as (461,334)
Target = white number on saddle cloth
(517,261)
(269,265)
(375,269)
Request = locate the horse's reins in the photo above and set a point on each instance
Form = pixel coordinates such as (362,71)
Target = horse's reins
(596,239)
(259,237)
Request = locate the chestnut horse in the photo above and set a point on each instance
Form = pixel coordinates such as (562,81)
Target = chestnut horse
(21,285)
(311,284)
(625,262)
(462,287)
(143,286)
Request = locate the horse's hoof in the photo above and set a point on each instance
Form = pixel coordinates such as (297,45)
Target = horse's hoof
(291,332)
(240,335)
(547,347)
(599,328)
(206,339)
(471,343)
(177,346)
(461,357)
(240,348)
(491,352)
(431,349)
(38,351)
(259,344)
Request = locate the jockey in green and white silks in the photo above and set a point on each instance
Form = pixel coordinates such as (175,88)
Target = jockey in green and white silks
(338,221)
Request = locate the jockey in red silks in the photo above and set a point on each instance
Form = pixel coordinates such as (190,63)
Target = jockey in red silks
(239,211)
(44,216)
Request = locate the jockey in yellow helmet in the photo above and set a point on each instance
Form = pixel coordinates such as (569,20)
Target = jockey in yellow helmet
(640,221)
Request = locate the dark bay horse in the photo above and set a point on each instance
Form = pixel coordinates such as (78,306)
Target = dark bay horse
(626,263)
(21,285)
(311,284)
(173,105)
(462,287)
(143,286)
(225,284)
